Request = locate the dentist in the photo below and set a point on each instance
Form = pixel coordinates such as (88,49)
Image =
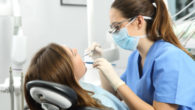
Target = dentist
(160,74)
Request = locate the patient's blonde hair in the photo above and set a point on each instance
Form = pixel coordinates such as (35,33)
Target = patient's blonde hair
(52,63)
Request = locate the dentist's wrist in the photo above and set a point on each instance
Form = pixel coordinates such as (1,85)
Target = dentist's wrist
(117,84)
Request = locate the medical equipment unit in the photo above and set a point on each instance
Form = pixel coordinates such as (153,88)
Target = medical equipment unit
(185,26)
(10,19)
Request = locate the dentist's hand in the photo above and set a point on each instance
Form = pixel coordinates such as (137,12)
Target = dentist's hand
(95,50)
(108,71)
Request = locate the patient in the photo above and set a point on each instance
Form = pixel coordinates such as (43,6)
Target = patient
(60,64)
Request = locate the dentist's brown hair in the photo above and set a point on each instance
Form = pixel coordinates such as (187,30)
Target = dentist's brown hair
(160,27)
(52,63)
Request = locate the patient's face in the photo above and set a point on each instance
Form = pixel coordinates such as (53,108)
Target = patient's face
(78,65)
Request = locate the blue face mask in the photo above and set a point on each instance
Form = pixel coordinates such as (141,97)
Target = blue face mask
(124,40)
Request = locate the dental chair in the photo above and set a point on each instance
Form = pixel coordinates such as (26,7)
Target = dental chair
(53,96)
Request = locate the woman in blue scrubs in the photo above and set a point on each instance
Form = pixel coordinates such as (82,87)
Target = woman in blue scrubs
(160,74)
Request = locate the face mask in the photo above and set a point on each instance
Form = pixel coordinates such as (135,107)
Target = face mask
(125,41)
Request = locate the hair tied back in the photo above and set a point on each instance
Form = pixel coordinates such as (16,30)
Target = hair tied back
(154,4)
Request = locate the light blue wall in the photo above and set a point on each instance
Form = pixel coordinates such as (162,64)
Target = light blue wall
(172,6)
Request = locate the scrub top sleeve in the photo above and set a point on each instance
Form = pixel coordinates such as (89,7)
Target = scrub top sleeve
(165,76)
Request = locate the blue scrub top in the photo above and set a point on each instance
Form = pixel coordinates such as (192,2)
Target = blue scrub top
(168,76)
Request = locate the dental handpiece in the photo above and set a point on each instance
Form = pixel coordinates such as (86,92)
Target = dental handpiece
(93,63)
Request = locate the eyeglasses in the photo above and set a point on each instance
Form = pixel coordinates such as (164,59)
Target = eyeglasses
(115,27)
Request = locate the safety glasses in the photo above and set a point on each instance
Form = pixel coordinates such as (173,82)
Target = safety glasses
(115,27)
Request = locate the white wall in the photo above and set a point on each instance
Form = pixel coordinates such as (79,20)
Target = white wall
(46,21)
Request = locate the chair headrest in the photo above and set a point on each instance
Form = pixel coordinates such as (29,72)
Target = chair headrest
(55,94)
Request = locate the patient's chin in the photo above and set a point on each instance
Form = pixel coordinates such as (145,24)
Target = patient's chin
(81,74)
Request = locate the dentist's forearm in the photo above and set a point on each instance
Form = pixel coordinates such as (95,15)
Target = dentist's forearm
(132,100)
(106,84)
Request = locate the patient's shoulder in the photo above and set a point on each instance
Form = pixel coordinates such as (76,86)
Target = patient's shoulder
(88,86)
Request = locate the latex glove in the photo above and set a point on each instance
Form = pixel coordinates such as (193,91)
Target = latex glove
(94,51)
(108,71)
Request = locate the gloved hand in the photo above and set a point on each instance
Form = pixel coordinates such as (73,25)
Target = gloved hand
(94,51)
(108,71)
